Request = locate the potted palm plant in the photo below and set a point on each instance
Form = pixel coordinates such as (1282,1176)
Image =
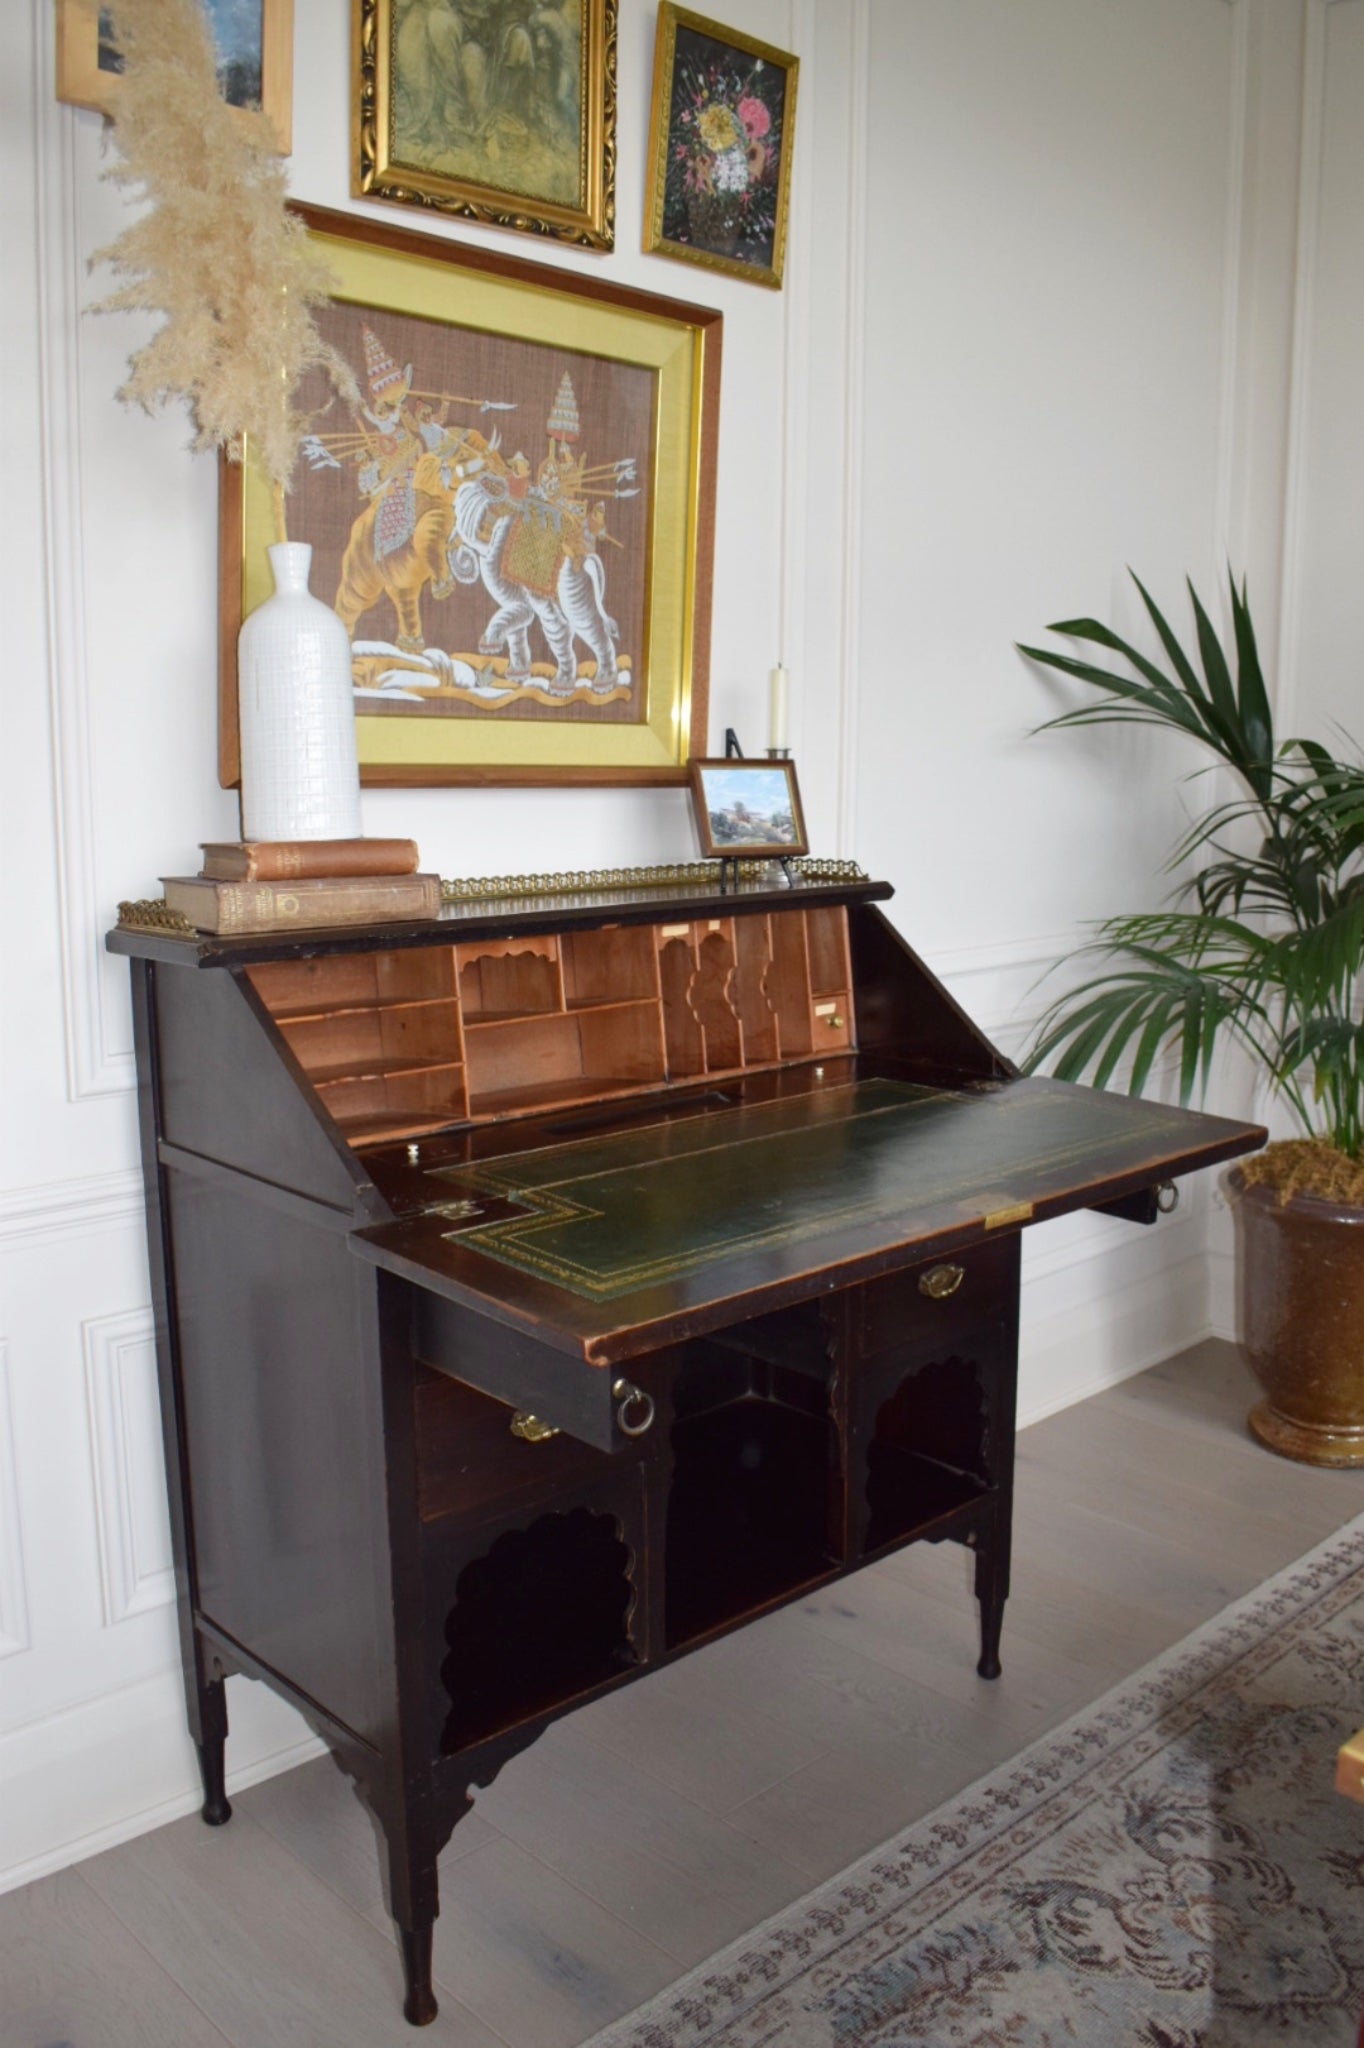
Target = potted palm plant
(1261,946)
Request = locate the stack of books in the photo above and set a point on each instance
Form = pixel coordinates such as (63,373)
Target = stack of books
(275,885)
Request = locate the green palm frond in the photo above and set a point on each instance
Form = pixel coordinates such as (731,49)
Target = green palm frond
(1317,967)
(1264,943)
(1180,982)
(1146,1009)
(1265,885)
(1335,793)
(1231,717)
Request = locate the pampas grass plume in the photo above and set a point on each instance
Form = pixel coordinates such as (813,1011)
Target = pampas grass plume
(217,253)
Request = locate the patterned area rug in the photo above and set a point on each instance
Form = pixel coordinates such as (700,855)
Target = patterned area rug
(1172,1869)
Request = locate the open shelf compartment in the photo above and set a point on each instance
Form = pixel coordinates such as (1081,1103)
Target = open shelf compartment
(926,1457)
(748,1508)
(404,1043)
(539,1619)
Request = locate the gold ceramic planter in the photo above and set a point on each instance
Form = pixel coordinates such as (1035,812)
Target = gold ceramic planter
(1301,1279)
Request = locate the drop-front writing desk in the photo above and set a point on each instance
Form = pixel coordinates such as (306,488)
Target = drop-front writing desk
(547,1288)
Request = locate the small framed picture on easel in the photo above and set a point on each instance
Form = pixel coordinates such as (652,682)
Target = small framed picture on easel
(747,810)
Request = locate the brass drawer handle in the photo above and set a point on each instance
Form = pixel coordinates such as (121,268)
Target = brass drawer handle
(940,1283)
(632,1397)
(530,1429)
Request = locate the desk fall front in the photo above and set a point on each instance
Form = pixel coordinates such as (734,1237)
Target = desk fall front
(545,1289)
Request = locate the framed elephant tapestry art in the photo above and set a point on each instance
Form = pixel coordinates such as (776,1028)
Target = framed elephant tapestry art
(514,522)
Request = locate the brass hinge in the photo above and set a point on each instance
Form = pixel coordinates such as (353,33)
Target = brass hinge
(530,1429)
(1017,1212)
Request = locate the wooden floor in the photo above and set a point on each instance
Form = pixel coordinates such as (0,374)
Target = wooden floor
(646,1831)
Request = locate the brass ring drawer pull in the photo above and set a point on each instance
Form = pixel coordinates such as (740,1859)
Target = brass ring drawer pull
(633,1398)
(940,1283)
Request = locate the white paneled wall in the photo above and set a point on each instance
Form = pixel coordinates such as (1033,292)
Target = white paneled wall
(1323,641)
(1048,276)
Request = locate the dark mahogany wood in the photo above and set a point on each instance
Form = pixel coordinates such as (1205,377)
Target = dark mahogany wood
(731,1206)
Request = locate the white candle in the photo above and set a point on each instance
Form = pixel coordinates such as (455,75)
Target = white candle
(777,694)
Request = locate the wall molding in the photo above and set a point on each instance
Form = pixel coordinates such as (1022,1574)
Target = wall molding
(55,1209)
(1035,950)
(1063,1348)
(1232,280)
(793,496)
(95,1065)
(100,1771)
(1102,1237)
(1311,175)
(158,1815)
(136,1573)
(14,1628)
(854,409)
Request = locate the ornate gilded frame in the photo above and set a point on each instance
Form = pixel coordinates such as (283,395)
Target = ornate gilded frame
(664,140)
(396,272)
(81,83)
(378,171)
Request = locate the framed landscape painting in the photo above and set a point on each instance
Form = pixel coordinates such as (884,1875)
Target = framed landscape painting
(720,138)
(500,111)
(747,809)
(255,41)
(515,521)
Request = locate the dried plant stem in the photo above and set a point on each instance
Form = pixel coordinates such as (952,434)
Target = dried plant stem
(217,253)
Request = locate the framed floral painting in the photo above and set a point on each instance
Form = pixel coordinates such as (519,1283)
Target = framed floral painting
(724,117)
(513,518)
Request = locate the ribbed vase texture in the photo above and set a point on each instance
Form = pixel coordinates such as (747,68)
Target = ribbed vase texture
(300,778)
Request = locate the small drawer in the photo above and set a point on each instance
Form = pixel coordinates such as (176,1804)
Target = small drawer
(831,1023)
(608,1410)
(930,1299)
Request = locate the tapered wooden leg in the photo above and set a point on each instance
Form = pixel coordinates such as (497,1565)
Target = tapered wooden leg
(413,1891)
(992,1590)
(419,2005)
(211,1743)
(999,1393)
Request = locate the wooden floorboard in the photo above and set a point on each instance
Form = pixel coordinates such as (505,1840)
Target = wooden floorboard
(269,1957)
(643,1833)
(71,1974)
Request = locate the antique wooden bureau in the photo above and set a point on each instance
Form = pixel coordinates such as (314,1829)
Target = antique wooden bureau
(547,1288)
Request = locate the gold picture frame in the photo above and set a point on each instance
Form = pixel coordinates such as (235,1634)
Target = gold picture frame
(516,522)
(521,135)
(84,81)
(721,134)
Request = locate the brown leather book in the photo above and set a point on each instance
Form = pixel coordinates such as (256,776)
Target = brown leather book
(292,860)
(231,907)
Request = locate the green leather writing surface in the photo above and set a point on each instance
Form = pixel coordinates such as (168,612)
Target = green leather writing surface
(607,1215)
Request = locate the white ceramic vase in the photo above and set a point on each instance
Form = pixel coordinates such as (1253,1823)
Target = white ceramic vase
(300,778)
